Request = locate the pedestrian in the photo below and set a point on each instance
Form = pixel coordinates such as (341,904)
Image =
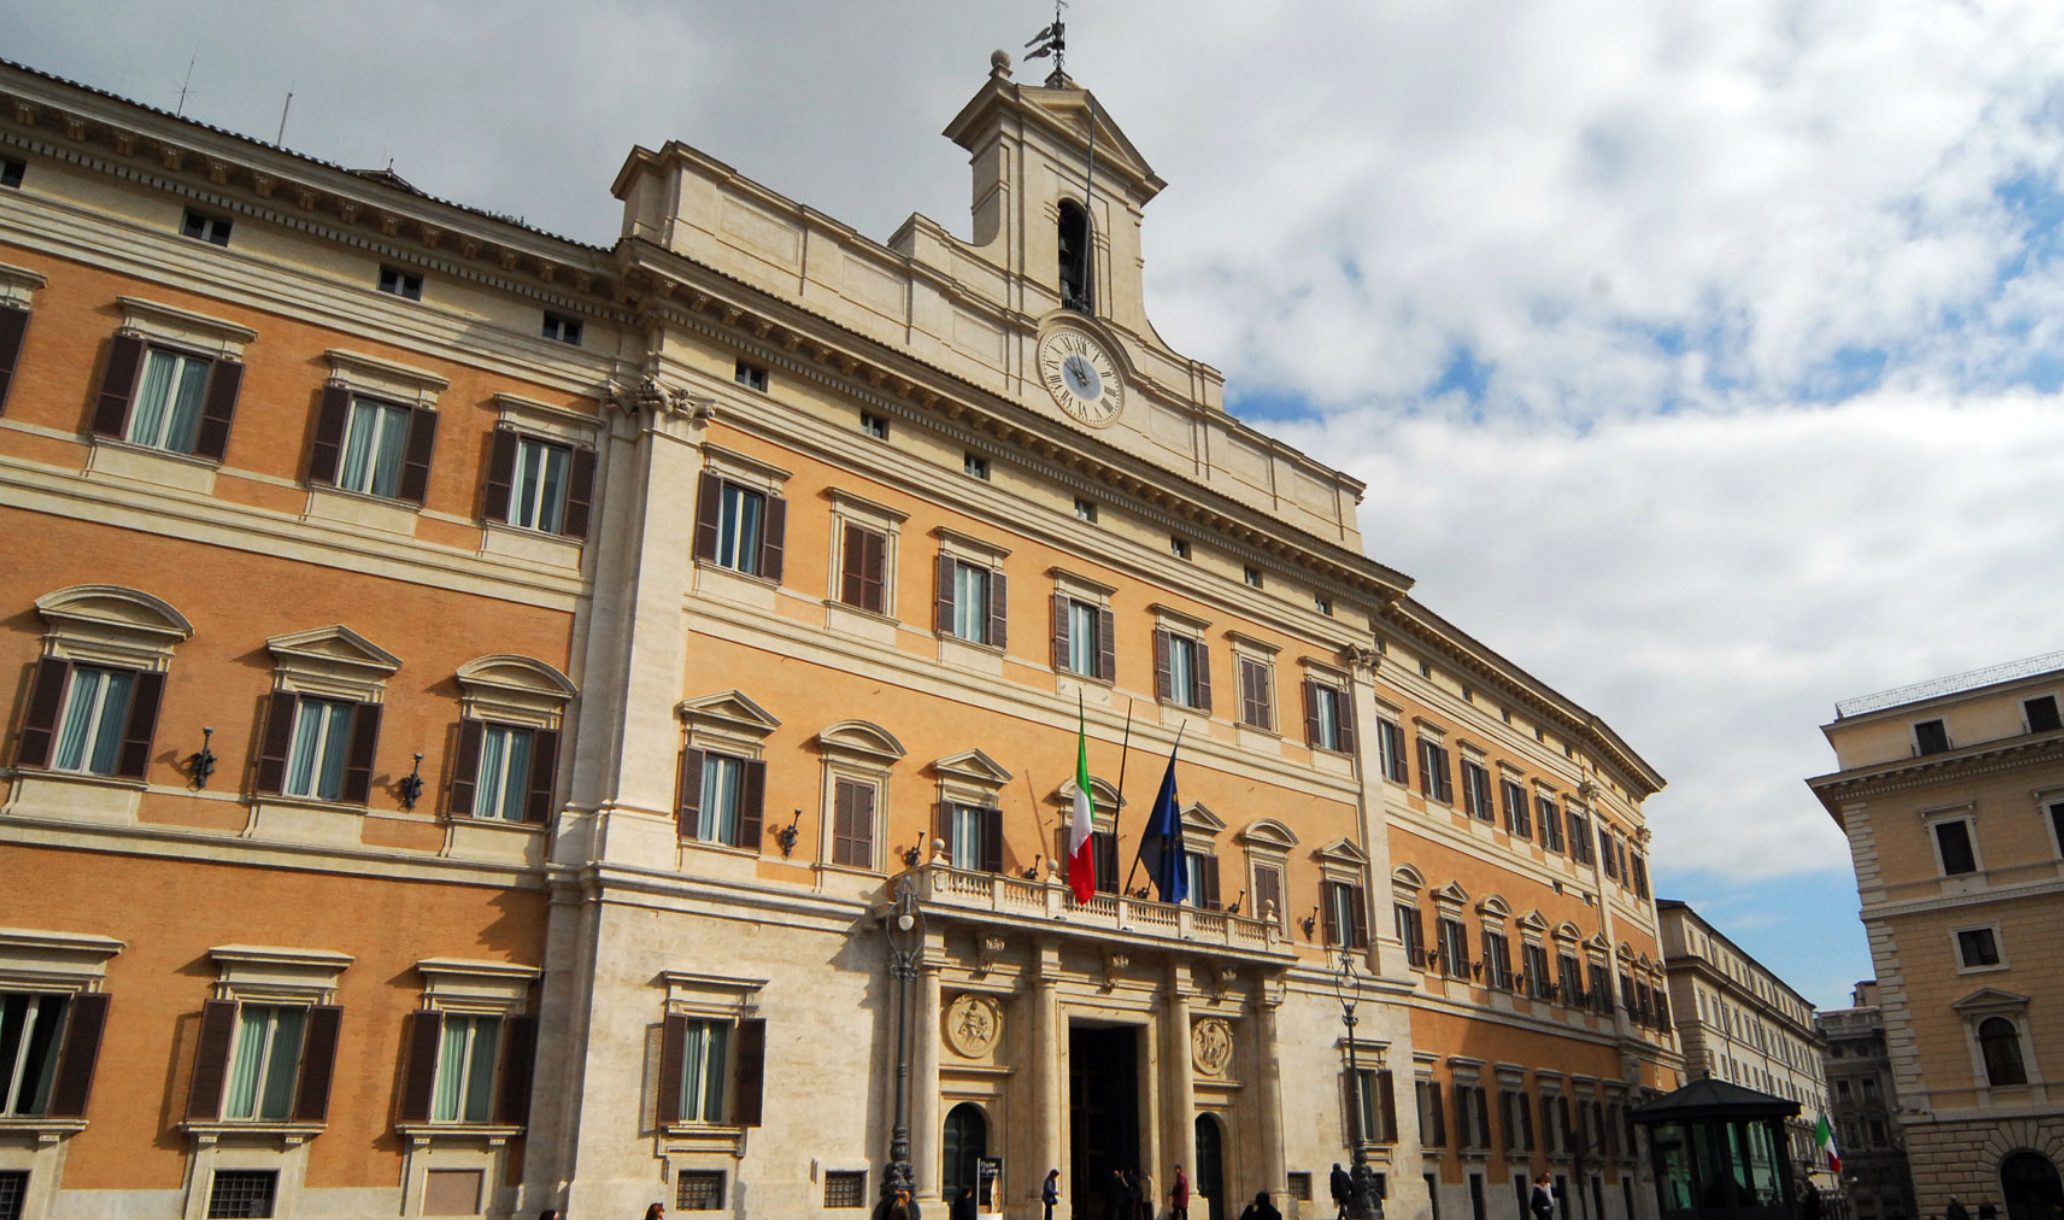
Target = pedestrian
(1179,1196)
(1542,1201)
(1343,1186)
(1050,1193)
(1143,1196)
(548,1214)
(963,1205)
(656,1212)
(1956,1211)
(1118,1208)
(1260,1209)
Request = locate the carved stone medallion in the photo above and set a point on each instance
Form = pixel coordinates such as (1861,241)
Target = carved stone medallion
(973,1023)
(1211,1046)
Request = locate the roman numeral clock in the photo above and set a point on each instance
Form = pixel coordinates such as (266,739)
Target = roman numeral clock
(1082,377)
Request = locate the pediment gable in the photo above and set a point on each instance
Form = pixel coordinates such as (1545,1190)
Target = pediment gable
(1568,931)
(115,607)
(860,737)
(1494,906)
(1407,876)
(977,768)
(1990,997)
(1344,851)
(1267,832)
(729,709)
(1451,892)
(1065,111)
(516,675)
(333,646)
(1103,794)
(1197,816)
(1532,922)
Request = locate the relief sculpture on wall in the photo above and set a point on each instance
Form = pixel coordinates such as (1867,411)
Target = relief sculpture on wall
(973,1023)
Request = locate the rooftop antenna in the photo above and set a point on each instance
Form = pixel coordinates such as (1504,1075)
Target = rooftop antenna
(1052,41)
(184,86)
(281,138)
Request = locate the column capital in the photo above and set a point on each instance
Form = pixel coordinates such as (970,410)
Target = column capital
(648,400)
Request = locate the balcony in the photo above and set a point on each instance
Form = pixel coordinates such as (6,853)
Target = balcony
(998,898)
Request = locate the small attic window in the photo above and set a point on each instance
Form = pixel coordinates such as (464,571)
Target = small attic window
(1075,281)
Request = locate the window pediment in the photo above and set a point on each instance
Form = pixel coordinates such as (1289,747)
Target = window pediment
(1494,906)
(385,378)
(978,551)
(727,711)
(1532,922)
(1343,851)
(1569,932)
(860,738)
(456,984)
(1991,999)
(975,767)
(744,469)
(112,623)
(247,972)
(1407,876)
(1103,794)
(1625,952)
(515,689)
(1268,834)
(332,660)
(18,285)
(1198,817)
(217,336)
(55,959)
(1452,892)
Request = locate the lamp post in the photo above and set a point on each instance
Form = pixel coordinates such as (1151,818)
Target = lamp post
(904,927)
(1362,1203)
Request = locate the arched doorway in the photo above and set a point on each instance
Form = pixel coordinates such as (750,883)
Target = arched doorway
(2029,1183)
(1210,1180)
(965,1143)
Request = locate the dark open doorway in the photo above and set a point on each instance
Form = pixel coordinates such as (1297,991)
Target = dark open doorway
(965,1143)
(1103,1115)
(1210,1179)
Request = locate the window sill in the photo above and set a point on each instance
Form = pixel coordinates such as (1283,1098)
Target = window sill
(703,1137)
(463,819)
(723,849)
(81,777)
(494,1134)
(1993,969)
(46,1130)
(519,542)
(310,802)
(117,458)
(334,504)
(289,1134)
(878,615)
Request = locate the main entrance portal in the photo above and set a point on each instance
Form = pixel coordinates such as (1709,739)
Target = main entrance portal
(1103,1116)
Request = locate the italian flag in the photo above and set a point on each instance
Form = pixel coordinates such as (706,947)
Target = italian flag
(1824,1137)
(1081,858)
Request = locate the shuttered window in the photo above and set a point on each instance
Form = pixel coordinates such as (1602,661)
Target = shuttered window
(165,398)
(1346,912)
(1082,638)
(1534,960)
(466,1057)
(852,835)
(1268,894)
(14,325)
(1328,718)
(263,1062)
(722,798)
(266,1061)
(1202,874)
(96,710)
(863,569)
(1391,738)
(322,738)
(711,1071)
(1551,822)
(1497,962)
(32,1029)
(504,773)
(723,793)
(1182,669)
(1580,848)
(1256,697)
(1435,779)
(1476,791)
(974,837)
(1411,933)
(166,412)
(1518,822)
(374,440)
(1454,948)
(538,484)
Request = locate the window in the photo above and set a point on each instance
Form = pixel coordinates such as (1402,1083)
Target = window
(1328,718)
(265,1062)
(1411,933)
(1976,947)
(11,171)
(401,283)
(1433,1129)
(852,834)
(1346,914)
(1476,791)
(1497,961)
(1084,642)
(723,799)
(96,714)
(1930,737)
(242,1194)
(1870,1088)
(14,1183)
(1569,980)
(2000,1043)
(1434,778)
(1179,547)
(1877,1132)
(561,329)
(1579,836)
(1637,869)
(1518,822)
(1454,943)
(1252,576)
(877,427)
(1299,1186)
(739,516)
(167,398)
(1268,894)
(1601,995)
(1605,849)
(503,780)
(863,569)
(1074,242)
(2057,823)
(1182,669)
(971,603)
(322,735)
(845,1188)
(699,1190)
(1257,699)
(1324,605)
(1085,510)
(974,839)
(375,438)
(1390,739)
(212,229)
(538,494)
(166,411)
(1200,872)
(751,376)
(31,1031)
(2041,714)
(1534,960)
(975,466)
(1953,843)
(1550,815)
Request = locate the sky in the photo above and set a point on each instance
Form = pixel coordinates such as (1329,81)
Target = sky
(1702,357)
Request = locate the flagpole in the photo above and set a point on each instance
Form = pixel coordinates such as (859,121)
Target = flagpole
(1124,752)
(1134,871)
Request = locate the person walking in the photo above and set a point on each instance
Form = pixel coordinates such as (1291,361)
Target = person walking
(1143,1196)
(1261,1208)
(1179,1196)
(656,1212)
(1343,1186)
(1119,1206)
(1542,1201)
(1050,1192)
(963,1205)
(1957,1210)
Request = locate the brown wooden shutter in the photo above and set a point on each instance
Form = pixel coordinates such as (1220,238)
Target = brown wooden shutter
(942,818)
(852,566)
(673,1056)
(1462,1131)
(999,609)
(415,459)
(992,840)
(752,800)
(1061,602)
(519,1055)
(1436,1115)
(1311,713)
(465,780)
(358,763)
(1563,1122)
(841,819)
(118,385)
(1418,925)
(1526,1120)
(501,475)
(1107,646)
(1358,906)
(211,1061)
(709,500)
(218,409)
(278,740)
(1386,1104)
(1202,652)
(39,724)
(1329,907)
(1268,888)
(688,807)
(134,760)
(1164,685)
(580,494)
(942,598)
(1105,859)
(14,323)
(751,1081)
(318,1064)
(330,418)
(544,776)
(1343,709)
(1208,874)
(774,538)
(862,848)
(1483,1117)
(73,1083)
(874,577)
(420,1035)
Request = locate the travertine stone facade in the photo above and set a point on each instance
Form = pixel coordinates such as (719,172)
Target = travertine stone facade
(1952,795)
(591,645)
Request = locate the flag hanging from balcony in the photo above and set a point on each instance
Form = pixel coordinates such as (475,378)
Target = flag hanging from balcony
(1161,848)
(1824,1138)
(1081,840)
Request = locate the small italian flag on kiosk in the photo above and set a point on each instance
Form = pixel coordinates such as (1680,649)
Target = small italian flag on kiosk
(1824,1138)
(1081,851)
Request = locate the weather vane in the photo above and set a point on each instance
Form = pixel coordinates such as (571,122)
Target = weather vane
(1052,41)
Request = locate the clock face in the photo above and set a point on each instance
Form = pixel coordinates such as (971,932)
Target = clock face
(1081,376)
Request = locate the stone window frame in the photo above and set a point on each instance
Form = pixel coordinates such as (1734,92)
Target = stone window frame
(1201,829)
(1975,1009)
(184,332)
(730,724)
(333,663)
(507,688)
(1181,624)
(1250,650)
(1493,914)
(1323,673)
(1473,1122)
(1079,588)
(977,553)
(847,509)
(105,625)
(2049,806)
(700,996)
(273,975)
(1533,931)
(865,753)
(1343,862)
(1450,903)
(71,964)
(1999,946)
(1268,844)
(1551,1088)
(973,780)
(541,421)
(1967,813)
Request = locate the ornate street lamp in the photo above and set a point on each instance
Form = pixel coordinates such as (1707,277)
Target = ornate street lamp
(1362,1203)
(904,926)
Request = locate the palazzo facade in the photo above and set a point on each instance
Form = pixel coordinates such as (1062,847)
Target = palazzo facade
(479,693)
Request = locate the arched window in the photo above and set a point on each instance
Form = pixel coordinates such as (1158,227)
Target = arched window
(1075,247)
(2001,1044)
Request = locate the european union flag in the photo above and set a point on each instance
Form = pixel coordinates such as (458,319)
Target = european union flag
(1161,849)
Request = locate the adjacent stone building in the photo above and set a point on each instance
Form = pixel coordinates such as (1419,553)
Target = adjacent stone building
(1952,795)
(1866,1109)
(477,695)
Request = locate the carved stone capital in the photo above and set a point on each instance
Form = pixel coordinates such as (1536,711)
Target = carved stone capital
(1360,658)
(649,400)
